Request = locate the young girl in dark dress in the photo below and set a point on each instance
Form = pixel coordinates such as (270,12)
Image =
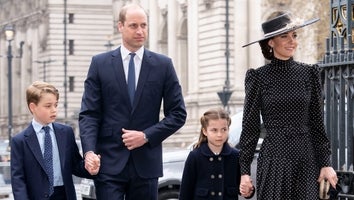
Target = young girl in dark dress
(212,169)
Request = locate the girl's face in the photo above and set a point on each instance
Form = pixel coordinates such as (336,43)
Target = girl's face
(284,45)
(45,111)
(217,132)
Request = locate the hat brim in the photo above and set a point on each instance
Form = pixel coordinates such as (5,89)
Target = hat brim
(284,31)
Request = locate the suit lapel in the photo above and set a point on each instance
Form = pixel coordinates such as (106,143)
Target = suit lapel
(33,145)
(144,72)
(118,69)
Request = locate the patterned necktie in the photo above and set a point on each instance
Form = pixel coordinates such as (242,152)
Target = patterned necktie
(48,157)
(131,78)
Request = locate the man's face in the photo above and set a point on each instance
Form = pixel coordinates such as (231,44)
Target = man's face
(134,30)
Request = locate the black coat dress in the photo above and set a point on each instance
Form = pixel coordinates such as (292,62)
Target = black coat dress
(209,176)
(287,94)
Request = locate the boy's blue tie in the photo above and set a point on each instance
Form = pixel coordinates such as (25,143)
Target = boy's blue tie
(48,157)
(131,78)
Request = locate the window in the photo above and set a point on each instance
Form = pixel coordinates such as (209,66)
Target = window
(71,18)
(71,84)
(71,47)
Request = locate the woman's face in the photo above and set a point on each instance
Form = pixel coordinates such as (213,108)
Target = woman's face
(284,45)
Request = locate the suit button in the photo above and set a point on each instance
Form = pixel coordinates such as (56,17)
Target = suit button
(212,176)
(212,193)
(219,158)
(220,175)
(220,193)
(211,159)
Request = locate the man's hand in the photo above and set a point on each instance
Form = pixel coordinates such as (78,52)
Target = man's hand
(133,139)
(92,162)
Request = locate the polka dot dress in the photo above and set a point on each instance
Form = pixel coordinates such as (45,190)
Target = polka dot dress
(287,95)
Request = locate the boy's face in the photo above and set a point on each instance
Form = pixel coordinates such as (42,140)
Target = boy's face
(45,111)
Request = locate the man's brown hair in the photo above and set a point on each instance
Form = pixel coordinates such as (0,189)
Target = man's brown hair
(123,11)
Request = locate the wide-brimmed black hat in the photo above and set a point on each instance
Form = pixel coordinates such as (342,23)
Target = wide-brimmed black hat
(282,24)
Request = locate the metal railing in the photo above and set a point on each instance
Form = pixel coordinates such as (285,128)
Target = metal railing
(337,73)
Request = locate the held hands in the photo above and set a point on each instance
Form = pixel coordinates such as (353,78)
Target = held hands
(246,186)
(329,174)
(133,139)
(92,162)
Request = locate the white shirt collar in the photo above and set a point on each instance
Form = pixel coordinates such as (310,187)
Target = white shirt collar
(38,126)
(125,52)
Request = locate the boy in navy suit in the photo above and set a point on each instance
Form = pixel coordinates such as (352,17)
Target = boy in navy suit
(45,155)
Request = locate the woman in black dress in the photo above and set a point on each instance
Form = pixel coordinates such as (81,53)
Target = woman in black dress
(295,154)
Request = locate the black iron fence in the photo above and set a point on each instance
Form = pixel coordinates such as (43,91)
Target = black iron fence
(337,70)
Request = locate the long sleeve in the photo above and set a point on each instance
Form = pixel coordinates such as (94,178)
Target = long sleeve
(251,121)
(18,178)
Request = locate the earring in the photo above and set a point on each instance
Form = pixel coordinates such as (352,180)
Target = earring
(271,50)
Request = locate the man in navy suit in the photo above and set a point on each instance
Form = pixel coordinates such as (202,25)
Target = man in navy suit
(127,131)
(31,177)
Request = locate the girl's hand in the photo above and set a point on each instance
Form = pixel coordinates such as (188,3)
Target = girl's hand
(246,186)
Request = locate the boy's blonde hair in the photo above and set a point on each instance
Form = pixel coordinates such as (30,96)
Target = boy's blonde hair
(212,114)
(36,90)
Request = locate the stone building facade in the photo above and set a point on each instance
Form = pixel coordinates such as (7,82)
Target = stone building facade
(192,32)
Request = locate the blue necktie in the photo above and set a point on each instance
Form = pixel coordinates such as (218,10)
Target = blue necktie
(48,157)
(131,78)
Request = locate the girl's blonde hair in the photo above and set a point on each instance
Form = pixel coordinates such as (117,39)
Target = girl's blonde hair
(212,114)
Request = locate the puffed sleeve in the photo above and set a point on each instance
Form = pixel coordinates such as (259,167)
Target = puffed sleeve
(319,138)
(250,122)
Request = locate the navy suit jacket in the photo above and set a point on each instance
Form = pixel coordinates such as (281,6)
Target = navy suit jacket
(28,177)
(106,109)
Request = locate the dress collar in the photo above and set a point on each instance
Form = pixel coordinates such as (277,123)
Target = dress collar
(205,150)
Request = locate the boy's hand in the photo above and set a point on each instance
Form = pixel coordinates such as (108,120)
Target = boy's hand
(92,163)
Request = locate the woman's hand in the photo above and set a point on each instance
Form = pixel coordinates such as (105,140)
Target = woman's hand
(329,174)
